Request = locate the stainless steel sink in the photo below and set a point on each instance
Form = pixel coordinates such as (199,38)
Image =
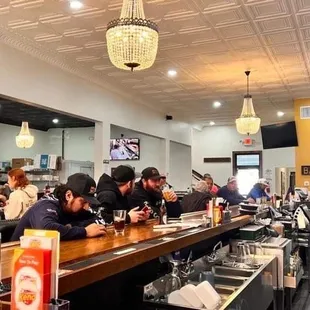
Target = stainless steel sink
(229,271)
(229,281)
(234,285)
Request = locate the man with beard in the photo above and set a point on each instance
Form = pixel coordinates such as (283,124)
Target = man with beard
(112,194)
(147,192)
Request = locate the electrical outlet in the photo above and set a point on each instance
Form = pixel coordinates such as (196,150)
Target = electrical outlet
(306,183)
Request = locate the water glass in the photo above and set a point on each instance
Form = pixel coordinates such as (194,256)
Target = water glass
(119,218)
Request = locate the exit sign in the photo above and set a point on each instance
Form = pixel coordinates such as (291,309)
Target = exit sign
(305,170)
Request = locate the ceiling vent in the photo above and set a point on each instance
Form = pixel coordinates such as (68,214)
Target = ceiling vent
(305,112)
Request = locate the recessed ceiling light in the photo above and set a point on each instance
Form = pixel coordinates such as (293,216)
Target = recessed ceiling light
(76,4)
(280,113)
(172,73)
(212,123)
(55,120)
(216,104)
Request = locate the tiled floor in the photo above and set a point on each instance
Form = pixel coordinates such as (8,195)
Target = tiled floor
(301,300)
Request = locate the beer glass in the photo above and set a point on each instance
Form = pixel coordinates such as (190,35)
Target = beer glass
(119,218)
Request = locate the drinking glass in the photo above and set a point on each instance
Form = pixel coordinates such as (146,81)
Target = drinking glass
(167,194)
(173,282)
(119,218)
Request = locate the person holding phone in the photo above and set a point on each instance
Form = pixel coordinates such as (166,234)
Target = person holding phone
(112,193)
(66,210)
(147,192)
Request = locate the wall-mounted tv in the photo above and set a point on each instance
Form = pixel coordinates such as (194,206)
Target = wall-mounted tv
(125,149)
(279,135)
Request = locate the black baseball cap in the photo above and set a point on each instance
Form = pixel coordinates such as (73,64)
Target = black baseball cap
(124,174)
(84,185)
(151,173)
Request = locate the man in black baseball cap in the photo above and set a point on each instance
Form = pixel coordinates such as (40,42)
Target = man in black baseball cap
(65,211)
(112,194)
(148,192)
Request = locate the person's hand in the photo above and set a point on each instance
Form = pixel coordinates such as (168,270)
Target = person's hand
(170,196)
(135,215)
(146,215)
(3,198)
(95,230)
(251,200)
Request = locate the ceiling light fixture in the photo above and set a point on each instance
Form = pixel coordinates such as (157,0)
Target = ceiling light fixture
(216,104)
(55,120)
(132,40)
(248,123)
(280,113)
(172,73)
(24,139)
(212,123)
(76,4)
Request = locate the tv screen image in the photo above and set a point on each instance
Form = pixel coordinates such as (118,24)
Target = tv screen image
(125,149)
(279,135)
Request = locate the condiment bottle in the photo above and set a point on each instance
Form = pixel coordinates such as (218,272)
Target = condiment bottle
(163,213)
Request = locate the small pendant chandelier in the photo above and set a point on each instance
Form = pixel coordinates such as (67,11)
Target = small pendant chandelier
(248,123)
(24,139)
(132,40)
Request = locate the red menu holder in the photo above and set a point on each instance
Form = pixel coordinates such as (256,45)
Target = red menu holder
(31,279)
(35,273)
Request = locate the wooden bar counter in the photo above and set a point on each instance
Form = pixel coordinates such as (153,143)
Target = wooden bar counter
(90,260)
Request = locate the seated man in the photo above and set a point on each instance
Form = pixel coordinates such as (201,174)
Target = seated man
(112,194)
(61,210)
(259,190)
(197,201)
(230,192)
(147,192)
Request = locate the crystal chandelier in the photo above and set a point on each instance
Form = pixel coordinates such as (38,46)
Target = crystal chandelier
(24,139)
(132,40)
(248,123)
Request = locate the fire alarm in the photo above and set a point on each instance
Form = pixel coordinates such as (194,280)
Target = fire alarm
(247,142)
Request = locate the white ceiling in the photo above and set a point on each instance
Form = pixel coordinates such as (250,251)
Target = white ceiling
(209,42)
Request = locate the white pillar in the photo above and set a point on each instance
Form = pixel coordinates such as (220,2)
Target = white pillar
(165,157)
(102,149)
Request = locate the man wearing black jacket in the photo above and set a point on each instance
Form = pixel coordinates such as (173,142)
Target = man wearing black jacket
(65,211)
(112,193)
(147,192)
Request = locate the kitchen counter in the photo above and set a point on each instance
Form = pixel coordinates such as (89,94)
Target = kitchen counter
(84,262)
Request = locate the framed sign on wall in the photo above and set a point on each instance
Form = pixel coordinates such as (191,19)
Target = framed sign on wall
(305,170)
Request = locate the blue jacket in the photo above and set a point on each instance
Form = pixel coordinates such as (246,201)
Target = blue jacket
(48,214)
(234,198)
(257,192)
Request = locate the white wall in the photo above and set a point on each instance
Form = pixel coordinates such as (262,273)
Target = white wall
(9,149)
(33,80)
(79,143)
(221,141)
(180,175)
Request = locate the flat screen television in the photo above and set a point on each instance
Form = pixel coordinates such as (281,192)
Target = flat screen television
(279,135)
(125,149)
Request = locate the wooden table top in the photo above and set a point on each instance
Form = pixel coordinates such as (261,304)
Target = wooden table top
(83,251)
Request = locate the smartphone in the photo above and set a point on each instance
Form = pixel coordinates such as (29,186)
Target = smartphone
(145,209)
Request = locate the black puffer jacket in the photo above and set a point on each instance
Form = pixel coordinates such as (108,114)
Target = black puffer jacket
(140,197)
(111,198)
